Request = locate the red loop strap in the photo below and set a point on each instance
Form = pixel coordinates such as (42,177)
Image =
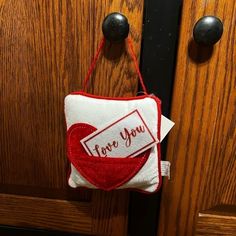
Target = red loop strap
(136,65)
(93,64)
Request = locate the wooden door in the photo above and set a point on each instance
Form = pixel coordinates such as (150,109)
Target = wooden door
(200,198)
(45,50)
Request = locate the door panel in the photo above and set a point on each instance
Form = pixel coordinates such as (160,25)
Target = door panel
(45,213)
(220,220)
(45,51)
(202,145)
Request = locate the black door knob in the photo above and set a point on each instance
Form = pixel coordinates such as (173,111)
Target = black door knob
(115,27)
(208,30)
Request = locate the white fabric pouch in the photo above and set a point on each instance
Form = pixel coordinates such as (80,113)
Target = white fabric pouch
(84,114)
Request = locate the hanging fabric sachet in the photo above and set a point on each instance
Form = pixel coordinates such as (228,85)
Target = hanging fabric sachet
(129,126)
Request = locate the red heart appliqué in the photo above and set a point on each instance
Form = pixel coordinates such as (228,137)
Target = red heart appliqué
(103,172)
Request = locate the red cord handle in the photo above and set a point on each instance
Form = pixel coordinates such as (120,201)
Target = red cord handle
(93,64)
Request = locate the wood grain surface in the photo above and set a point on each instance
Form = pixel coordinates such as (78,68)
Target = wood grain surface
(34,212)
(202,145)
(110,216)
(221,220)
(45,51)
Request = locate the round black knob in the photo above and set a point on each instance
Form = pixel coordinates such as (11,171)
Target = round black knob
(115,27)
(208,30)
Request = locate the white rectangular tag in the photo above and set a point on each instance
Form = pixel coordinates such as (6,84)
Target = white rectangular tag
(166,126)
(125,137)
(165,168)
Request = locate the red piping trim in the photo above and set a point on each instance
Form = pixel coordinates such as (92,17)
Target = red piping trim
(116,98)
